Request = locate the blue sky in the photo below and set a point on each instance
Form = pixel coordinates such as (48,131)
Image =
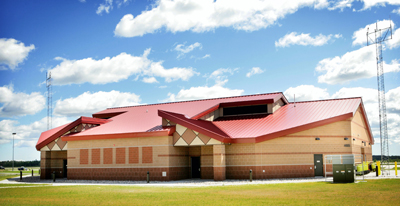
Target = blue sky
(116,53)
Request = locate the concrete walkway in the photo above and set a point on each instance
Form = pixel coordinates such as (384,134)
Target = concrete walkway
(184,183)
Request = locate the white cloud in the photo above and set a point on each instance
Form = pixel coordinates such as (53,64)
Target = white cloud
(372,3)
(88,103)
(182,49)
(395,41)
(254,70)
(360,37)
(396,11)
(106,7)
(149,80)
(341,4)
(304,39)
(203,92)
(18,103)
(27,135)
(306,93)
(114,69)
(206,15)
(220,75)
(13,52)
(353,65)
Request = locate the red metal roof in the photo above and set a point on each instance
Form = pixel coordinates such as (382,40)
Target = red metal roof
(145,120)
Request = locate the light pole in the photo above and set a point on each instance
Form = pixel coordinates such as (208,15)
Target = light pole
(13,151)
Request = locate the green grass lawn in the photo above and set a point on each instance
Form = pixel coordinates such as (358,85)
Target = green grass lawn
(21,185)
(6,176)
(372,192)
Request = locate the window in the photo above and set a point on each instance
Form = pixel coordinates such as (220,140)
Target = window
(253,109)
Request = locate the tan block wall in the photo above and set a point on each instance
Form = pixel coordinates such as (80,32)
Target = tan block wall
(360,134)
(135,156)
(160,146)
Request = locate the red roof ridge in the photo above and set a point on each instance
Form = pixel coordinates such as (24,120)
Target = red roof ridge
(324,100)
(196,100)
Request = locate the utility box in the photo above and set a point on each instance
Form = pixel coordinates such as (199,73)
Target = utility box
(343,173)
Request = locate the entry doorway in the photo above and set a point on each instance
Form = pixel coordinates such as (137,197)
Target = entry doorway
(318,165)
(195,167)
(65,168)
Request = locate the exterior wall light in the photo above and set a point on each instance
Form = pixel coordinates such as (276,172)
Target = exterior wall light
(346,138)
(317,138)
(354,139)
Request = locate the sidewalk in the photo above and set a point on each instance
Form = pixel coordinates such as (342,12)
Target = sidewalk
(183,183)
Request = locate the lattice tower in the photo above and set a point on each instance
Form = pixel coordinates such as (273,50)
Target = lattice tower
(378,37)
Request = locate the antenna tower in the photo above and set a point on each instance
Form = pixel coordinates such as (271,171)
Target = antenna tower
(49,101)
(377,37)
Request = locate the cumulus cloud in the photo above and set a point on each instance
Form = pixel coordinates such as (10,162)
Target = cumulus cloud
(88,103)
(27,135)
(206,15)
(372,3)
(114,69)
(306,93)
(149,80)
(18,103)
(360,38)
(253,71)
(304,39)
(13,52)
(105,7)
(203,92)
(353,65)
(182,49)
(396,11)
(220,76)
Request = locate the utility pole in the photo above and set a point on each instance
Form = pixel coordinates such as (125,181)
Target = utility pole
(377,37)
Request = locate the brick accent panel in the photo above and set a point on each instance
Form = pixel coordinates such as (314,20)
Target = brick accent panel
(271,172)
(133,155)
(95,156)
(147,154)
(207,172)
(107,155)
(84,156)
(120,156)
(137,174)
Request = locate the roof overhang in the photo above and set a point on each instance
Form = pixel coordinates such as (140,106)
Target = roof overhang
(65,128)
(204,127)
(167,131)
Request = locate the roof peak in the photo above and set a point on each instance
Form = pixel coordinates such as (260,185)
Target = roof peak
(197,100)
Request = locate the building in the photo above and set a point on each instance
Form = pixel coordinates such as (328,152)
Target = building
(218,139)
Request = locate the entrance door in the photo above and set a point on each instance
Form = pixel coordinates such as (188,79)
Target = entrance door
(318,165)
(195,167)
(65,168)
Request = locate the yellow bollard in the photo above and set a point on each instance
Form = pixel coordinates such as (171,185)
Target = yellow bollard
(378,165)
(395,168)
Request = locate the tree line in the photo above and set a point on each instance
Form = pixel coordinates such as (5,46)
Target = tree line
(33,163)
(393,158)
